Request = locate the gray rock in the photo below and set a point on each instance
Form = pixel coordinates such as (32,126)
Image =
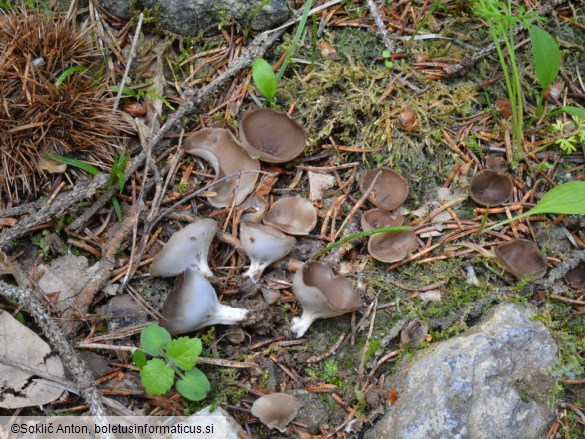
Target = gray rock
(490,382)
(187,17)
(313,411)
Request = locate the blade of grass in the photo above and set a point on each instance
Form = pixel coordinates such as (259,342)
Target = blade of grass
(295,41)
(73,162)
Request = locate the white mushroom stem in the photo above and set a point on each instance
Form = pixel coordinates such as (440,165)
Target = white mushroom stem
(301,324)
(256,269)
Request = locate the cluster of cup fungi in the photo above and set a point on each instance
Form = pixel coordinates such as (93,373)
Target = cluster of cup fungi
(268,235)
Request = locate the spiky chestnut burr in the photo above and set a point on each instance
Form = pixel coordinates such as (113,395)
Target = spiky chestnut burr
(43,109)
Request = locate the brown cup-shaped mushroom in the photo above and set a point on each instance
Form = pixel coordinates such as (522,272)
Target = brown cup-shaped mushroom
(187,248)
(490,188)
(225,154)
(272,135)
(392,246)
(193,304)
(389,191)
(576,276)
(292,215)
(378,218)
(264,245)
(322,295)
(276,410)
(414,333)
(522,258)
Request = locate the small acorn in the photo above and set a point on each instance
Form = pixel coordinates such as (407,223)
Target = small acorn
(504,107)
(407,120)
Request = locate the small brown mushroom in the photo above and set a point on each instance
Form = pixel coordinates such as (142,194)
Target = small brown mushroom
(322,295)
(392,246)
(225,154)
(496,163)
(389,191)
(522,258)
(264,245)
(272,135)
(187,248)
(378,218)
(276,410)
(414,333)
(490,188)
(576,276)
(292,215)
(193,304)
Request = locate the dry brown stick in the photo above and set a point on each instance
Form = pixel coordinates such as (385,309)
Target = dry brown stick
(79,373)
(82,190)
(380,26)
(460,68)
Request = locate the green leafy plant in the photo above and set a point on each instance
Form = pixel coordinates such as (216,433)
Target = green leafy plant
(387,59)
(148,93)
(264,79)
(116,174)
(567,198)
(501,20)
(547,60)
(172,358)
(262,74)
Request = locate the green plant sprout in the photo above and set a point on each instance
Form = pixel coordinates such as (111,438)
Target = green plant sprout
(387,59)
(264,78)
(573,139)
(116,174)
(501,20)
(171,357)
(567,198)
(149,93)
(546,56)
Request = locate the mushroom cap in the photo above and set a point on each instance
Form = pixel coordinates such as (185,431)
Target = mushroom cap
(326,294)
(576,276)
(390,190)
(490,188)
(392,246)
(272,135)
(225,154)
(522,258)
(378,218)
(496,163)
(414,333)
(193,304)
(187,248)
(292,215)
(276,410)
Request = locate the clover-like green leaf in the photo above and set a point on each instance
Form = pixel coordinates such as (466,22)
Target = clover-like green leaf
(194,386)
(184,351)
(157,377)
(154,339)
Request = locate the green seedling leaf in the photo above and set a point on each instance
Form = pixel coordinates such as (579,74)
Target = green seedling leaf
(139,358)
(126,91)
(73,162)
(117,209)
(154,339)
(67,73)
(567,198)
(574,111)
(546,55)
(157,377)
(264,78)
(184,351)
(194,386)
